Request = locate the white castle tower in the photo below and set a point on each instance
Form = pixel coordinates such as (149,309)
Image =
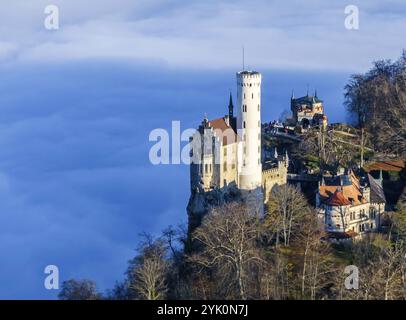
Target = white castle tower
(249,129)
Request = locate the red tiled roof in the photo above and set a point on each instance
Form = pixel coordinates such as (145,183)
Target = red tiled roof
(338,199)
(228,133)
(349,194)
(395,166)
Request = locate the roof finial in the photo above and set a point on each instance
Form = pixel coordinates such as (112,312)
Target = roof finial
(380,179)
(307,94)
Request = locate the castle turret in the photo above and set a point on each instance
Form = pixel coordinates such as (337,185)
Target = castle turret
(230,107)
(249,129)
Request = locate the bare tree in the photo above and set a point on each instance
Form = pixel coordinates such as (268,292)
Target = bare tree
(285,210)
(399,217)
(79,290)
(227,241)
(377,99)
(148,270)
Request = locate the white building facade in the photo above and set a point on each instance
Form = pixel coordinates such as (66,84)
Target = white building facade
(227,151)
(350,208)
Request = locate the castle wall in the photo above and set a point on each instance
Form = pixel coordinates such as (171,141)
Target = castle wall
(352,218)
(273,177)
(228,165)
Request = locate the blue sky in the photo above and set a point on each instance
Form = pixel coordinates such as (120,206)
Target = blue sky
(77,106)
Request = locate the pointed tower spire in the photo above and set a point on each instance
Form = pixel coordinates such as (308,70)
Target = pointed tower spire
(323,183)
(307,93)
(293,95)
(315,93)
(230,107)
(275,153)
(380,179)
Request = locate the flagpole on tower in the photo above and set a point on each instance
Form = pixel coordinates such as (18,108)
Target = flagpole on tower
(243,58)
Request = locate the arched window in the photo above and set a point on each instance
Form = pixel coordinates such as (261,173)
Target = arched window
(244,125)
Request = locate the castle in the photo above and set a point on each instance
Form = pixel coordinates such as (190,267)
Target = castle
(350,207)
(227,151)
(308,111)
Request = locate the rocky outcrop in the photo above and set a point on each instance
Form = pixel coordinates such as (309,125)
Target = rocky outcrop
(201,202)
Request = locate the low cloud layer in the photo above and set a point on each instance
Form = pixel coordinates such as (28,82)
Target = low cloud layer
(76,185)
(77,105)
(206,34)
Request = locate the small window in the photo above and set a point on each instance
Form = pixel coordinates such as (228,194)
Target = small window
(225,166)
(258,107)
(206,168)
(244,125)
(252,96)
(244,95)
(225,151)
